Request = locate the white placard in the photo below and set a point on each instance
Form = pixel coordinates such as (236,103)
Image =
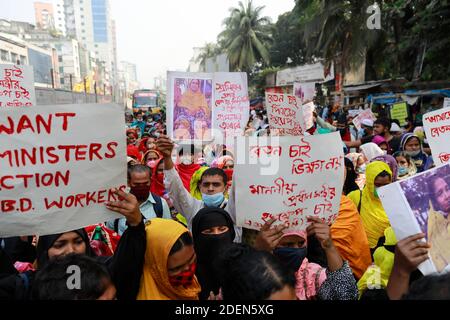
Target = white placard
(285,114)
(16,86)
(288,178)
(58,166)
(305,91)
(365,114)
(437,130)
(308,115)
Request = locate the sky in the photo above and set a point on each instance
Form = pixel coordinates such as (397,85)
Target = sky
(159,35)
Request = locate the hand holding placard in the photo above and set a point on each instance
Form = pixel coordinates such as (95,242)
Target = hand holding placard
(127,205)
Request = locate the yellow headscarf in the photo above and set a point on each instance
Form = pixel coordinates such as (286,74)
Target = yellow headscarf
(195,190)
(161,236)
(373,216)
(194,101)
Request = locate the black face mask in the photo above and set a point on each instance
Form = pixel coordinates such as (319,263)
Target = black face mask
(291,257)
(209,246)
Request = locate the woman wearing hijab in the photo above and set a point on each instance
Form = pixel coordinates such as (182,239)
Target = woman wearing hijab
(382,143)
(360,168)
(169,267)
(370,150)
(157,178)
(226,163)
(213,231)
(373,216)
(350,177)
(150,158)
(391,162)
(406,168)
(411,145)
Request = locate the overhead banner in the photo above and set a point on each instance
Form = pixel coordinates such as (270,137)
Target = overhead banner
(420,204)
(16,86)
(437,130)
(59,164)
(285,114)
(288,179)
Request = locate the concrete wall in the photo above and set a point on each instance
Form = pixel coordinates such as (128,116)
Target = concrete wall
(46,96)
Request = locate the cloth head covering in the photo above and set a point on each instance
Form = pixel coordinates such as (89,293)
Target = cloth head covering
(350,179)
(353,156)
(421,160)
(383,263)
(157,184)
(223,160)
(209,247)
(367,123)
(371,150)
(133,151)
(373,216)
(150,151)
(395,128)
(143,145)
(186,172)
(379,140)
(391,162)
(350,238)
(161,235)
(133,131)
(195,190)
(46,242)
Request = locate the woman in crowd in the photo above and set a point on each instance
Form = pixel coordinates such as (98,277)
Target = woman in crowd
(350,177)
(391,162)
(213,231)
(370,150)
(411,145)
(406,168)
(151,157)
(382,143)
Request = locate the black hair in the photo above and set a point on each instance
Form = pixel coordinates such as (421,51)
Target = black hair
(383,174)
(402,154)
(189,149)
(432,287)
(350,180)
(431,192)
(249,274)
(51,282)
(214,172)
(184,240)
(385,122)
(138,168)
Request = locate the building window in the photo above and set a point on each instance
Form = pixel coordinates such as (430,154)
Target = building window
(14,58)
(61,70)
(83,31)
(23,60)
(5,55)
(82,23)
(60,59)
(62,81)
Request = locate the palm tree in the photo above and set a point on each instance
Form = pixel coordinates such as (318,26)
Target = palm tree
(208,51)
(337,31)
(246,37)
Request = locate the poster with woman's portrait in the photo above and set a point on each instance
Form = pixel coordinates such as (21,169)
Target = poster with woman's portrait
(427,203)
(189,106)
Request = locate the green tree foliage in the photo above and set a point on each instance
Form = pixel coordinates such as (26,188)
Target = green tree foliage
(246,37)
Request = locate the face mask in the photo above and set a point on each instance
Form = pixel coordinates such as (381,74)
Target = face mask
(385,152)
(229,173)
(151,163)
(375,193)
(186,160)
(213,200)
(141,193)
(412,153)
(291,257)
(183,278)
(361,169)
(402,171)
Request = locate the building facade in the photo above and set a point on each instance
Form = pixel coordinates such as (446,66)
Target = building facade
(44,15)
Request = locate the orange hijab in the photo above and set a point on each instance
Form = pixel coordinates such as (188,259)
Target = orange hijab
(161,236)
(350,238)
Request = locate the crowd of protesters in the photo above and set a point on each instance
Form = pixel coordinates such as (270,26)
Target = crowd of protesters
(178,237)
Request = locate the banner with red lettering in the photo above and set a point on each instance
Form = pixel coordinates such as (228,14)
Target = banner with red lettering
(305,91)
(231,106)
(58,166)
(289,179)
(365,114)
(437,130)
(16,86)
(285,114)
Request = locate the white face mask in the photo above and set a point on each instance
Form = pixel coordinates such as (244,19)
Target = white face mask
(186,160)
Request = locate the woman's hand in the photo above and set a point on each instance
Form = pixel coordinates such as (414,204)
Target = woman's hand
(127,205)
(268,238)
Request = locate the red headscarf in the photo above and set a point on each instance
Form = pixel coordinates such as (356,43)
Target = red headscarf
(186,172)
(133,151)
(143,145)
(157,181)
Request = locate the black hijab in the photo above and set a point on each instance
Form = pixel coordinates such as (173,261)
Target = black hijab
(350,180)
(208,247)
(46,242)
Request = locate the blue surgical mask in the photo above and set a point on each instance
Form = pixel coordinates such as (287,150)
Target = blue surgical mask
(361,169)
(291,257)
(361,132)
(402,171)
(213,200)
